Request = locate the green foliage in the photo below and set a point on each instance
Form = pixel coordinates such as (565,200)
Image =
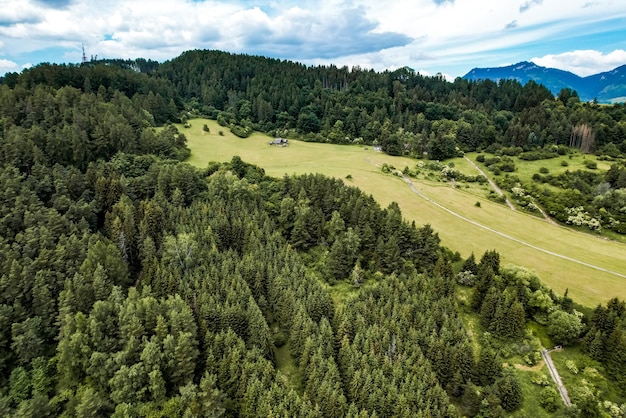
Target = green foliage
(564,328)
(241,131)
(509,391)
(549,399)
(540,154)
(135,285)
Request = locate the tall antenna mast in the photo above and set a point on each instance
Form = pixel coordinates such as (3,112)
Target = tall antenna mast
(84,55)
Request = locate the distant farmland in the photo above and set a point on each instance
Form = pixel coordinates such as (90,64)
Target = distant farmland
(592,268)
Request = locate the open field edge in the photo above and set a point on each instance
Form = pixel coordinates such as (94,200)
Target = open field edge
(592,268)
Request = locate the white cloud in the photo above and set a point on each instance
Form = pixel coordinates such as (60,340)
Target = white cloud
(583,62)
(528,4)
(438,35)
(7,66)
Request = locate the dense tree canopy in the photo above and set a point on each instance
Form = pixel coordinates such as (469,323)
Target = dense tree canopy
(132,284)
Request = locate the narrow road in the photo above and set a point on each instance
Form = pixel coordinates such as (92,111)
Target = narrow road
(555,376)
(502,234)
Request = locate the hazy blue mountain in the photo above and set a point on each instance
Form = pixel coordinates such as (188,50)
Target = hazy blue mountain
(607,87)
(610,86)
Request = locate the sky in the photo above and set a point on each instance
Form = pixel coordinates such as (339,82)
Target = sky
(430,36)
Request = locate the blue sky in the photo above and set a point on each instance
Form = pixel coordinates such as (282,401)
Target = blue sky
(431,36)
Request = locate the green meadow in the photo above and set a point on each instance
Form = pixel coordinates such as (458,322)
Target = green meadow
(592,268)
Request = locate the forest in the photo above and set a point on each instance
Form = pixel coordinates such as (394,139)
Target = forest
(134,285)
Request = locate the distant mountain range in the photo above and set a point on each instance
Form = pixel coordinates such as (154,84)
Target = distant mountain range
(607,87)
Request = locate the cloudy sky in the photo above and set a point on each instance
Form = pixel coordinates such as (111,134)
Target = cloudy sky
(430,36)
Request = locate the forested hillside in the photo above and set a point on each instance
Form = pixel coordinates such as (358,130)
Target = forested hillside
(132,284)
(135,285)
(401,110)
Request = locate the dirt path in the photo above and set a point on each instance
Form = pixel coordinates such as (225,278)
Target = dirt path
(492,183)
(501,193)
(534,368)
(502,234)
(545,216)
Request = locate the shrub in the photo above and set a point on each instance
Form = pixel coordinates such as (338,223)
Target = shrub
(477,204)
(221,133)
(493,148)
(562,150)
(491,161)
(279,338)
(541,380)
(564,163)
(507,166)
(386,168)
(480,158)
(544,170)
(571,366)
(540,154)
(511,151)
(241,131)
(592,165)
(466,278)
(549,399)
(205,128)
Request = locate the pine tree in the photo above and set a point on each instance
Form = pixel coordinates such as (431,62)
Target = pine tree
(492,259)
(211,398)
(489,308)
(488,368)
(509,391)
(185,355)
(483,284)
(470,265)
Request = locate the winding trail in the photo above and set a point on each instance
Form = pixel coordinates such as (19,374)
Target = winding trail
(492,183)
(509,237)
(501,193)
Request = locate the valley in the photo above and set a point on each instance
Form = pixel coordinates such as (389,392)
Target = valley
(589,266)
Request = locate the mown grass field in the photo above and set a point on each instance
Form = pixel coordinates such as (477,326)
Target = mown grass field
(520,238)
(572,162)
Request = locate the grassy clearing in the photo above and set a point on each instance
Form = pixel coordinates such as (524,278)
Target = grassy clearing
(541,333)
(342,291)
(530,392)
(571,162)
(587,285)
(288,371)
(586,372)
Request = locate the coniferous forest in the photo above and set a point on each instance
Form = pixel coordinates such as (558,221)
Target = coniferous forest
(134,285)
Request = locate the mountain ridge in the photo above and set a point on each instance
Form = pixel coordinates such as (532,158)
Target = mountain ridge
(605,87)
